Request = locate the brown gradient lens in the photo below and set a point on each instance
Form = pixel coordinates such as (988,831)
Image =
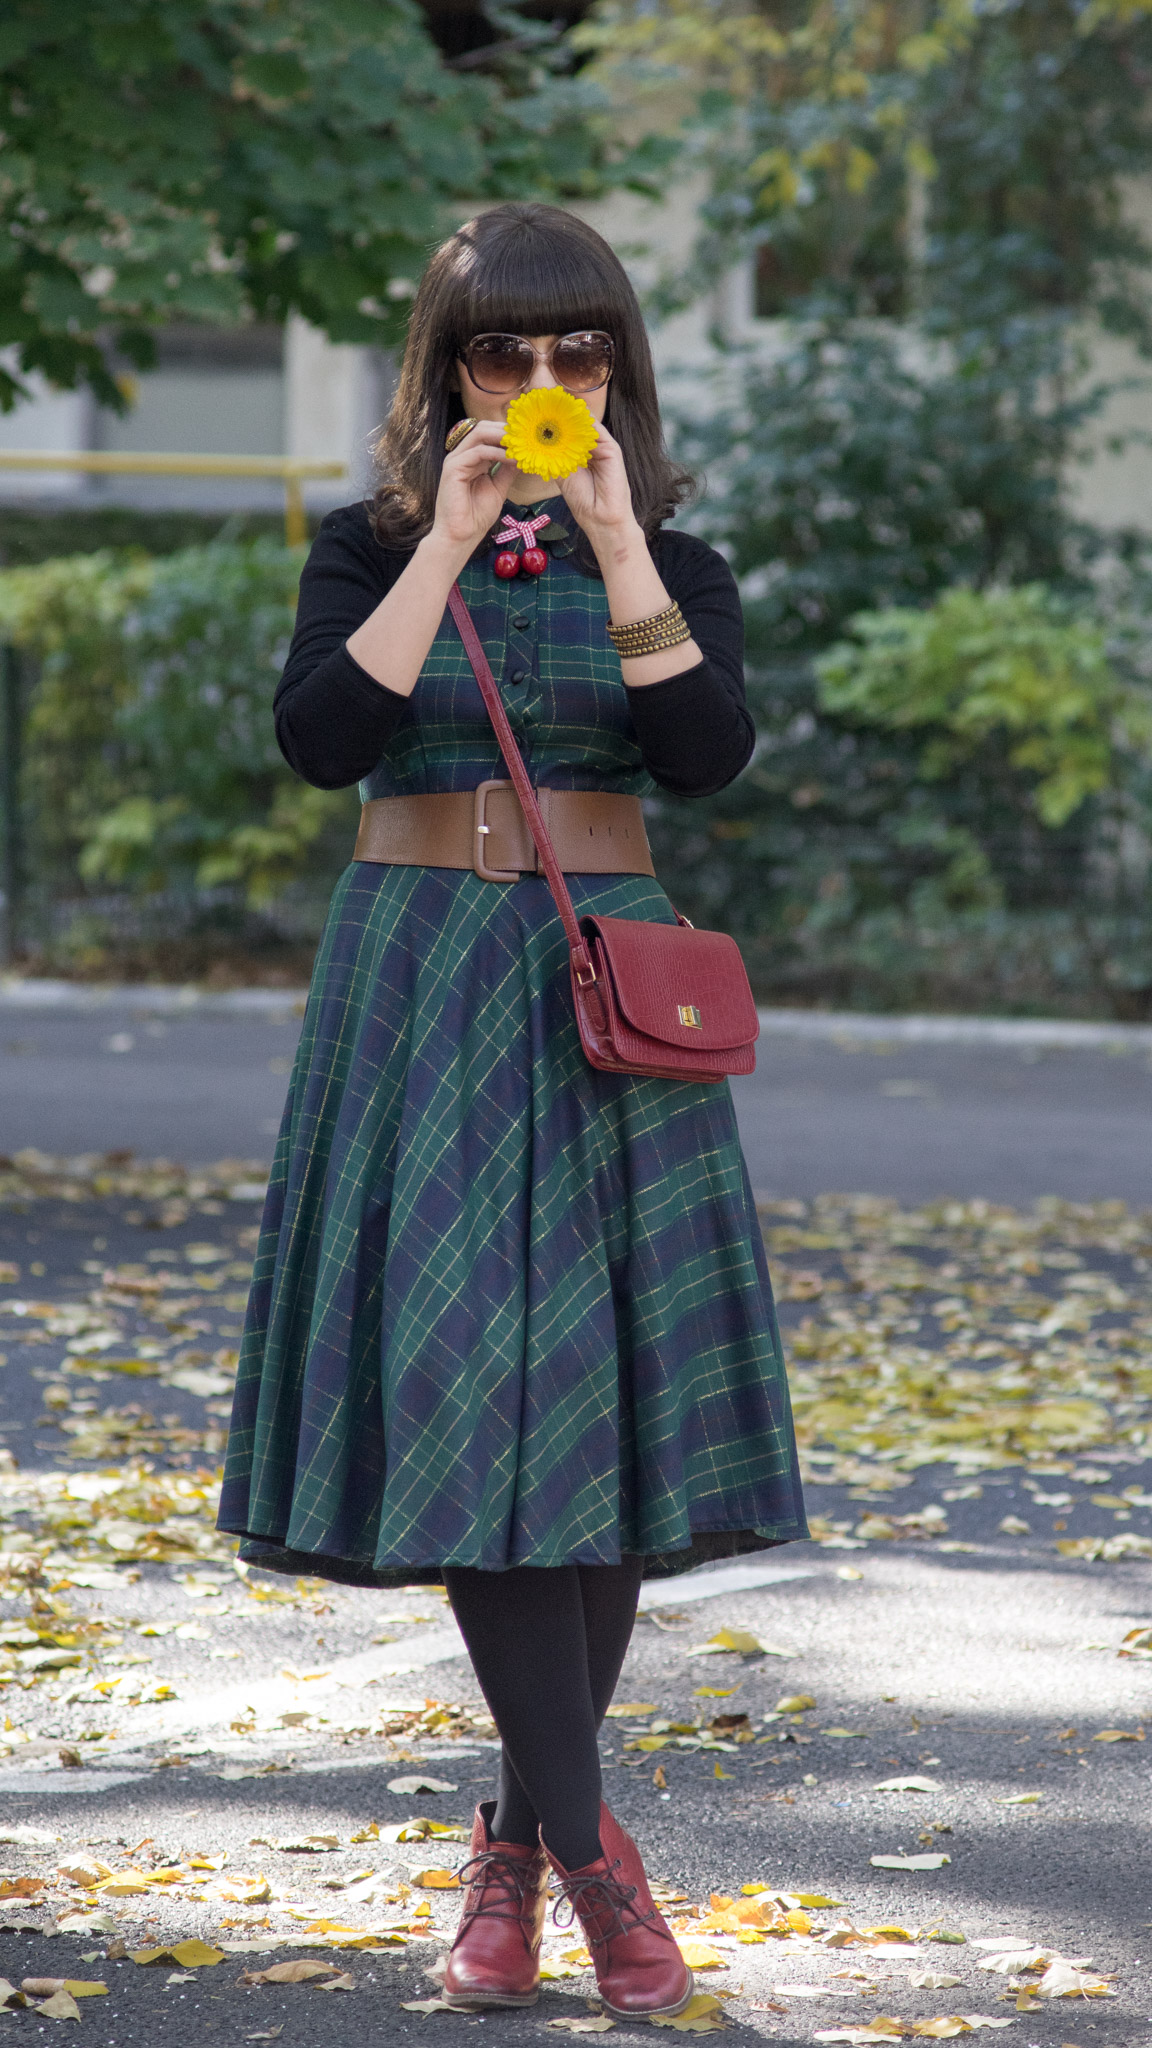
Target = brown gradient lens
(499,363)
(503,363)
(583,362)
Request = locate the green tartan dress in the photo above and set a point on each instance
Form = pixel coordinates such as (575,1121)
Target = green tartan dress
(506,1309)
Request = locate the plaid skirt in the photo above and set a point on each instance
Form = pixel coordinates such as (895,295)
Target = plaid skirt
(506,1309)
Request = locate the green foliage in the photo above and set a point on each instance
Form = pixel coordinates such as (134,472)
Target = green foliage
(223,159)
(956,804)
(852,877)
(1003,673)
(857,469)
(28,536)
(151,762)
(906,831)
(933,157)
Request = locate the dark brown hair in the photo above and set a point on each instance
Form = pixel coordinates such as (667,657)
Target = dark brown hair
(518,269)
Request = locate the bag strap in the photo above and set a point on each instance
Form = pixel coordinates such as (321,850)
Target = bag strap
(581,958)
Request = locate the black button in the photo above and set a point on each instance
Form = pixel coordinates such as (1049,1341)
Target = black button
(520,621)
(519,675)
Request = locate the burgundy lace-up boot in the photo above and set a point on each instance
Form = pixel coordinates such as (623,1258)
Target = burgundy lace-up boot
(640,1972)
(495,1957)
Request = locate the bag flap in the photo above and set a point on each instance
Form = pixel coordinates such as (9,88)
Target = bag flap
(683,987)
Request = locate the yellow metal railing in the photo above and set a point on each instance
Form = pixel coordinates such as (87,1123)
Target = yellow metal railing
(282,468)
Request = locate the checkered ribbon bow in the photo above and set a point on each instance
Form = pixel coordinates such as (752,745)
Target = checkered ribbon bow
(523,529)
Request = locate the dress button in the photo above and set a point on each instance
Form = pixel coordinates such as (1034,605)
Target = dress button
(519,675)
(521,621)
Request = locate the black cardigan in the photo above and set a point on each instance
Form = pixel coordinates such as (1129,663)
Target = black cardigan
(334,721)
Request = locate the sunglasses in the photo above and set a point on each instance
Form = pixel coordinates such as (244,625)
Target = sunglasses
(501,364)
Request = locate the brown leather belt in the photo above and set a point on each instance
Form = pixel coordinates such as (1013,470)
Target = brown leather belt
(595,832)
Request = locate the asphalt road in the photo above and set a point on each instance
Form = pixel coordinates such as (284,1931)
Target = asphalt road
(988,1670)
(862,1111)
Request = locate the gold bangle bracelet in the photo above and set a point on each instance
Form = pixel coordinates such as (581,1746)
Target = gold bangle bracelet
(650,636)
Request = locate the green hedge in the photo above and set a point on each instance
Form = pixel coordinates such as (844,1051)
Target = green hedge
(950,804)
(30,535)
(150,765)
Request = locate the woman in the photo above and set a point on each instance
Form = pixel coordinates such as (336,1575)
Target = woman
(510,1322)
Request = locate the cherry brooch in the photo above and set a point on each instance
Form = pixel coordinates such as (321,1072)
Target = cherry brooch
(533,561)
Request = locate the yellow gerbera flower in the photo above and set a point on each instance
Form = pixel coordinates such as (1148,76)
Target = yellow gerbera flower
(549,433)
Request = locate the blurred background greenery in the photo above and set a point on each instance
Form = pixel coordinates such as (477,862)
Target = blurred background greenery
(940,208)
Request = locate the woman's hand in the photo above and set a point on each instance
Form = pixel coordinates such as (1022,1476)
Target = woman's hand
(469,501)
(599,497)
(393,642)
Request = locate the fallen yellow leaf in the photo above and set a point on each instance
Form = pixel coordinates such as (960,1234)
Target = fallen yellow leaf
(795,1703)
(1064,1980)
(702,2015)
(76,1987)
(437,1880)
(740,1641)
(699,1956)
(299,1972)
(189,1955)
(588,2023)
(61,2006)
(1119,1735)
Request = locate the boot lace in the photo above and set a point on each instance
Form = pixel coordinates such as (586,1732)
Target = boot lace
(498,1884)
(596,1895)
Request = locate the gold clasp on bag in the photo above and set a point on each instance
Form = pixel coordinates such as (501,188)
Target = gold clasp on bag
(689,1016)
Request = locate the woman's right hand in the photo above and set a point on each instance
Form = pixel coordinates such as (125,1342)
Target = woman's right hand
(469,501)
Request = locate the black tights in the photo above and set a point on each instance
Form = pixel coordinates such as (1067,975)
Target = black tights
(547,1644)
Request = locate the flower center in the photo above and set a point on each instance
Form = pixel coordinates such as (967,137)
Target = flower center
(547,431)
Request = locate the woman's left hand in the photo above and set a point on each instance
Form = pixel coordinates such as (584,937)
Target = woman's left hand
(598,496)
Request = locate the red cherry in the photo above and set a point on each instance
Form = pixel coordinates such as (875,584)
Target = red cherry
(534,561)
(507,564)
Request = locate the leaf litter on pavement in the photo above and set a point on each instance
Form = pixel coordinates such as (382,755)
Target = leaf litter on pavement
(1041,1320)
(971,1334)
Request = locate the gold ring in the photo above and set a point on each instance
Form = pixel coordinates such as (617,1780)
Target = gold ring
(460,432)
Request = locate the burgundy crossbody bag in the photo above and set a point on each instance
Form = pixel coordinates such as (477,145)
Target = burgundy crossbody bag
(658,999)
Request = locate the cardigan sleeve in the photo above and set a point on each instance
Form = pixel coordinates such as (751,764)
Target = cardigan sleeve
(695,730)
(333,720)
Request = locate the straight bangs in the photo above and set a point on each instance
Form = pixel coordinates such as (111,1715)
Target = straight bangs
(527,284)
(520,268)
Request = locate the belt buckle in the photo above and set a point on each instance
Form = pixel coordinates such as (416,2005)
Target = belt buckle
(481,829)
